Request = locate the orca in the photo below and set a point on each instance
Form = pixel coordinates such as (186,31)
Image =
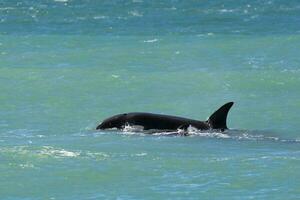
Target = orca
(151,121)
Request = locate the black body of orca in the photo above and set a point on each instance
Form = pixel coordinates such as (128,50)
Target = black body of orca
(150,121)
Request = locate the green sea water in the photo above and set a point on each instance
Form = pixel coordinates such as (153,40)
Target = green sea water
(67,65)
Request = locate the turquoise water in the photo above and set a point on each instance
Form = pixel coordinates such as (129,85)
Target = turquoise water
(67,64)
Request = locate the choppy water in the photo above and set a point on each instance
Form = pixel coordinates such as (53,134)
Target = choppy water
(67,64)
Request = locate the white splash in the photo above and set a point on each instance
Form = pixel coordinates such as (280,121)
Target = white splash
(26,165)
(141,154)
(115,76)
(52,152)
(100,17)
(97,155)
(226,11)
(151,41)
(135,13)
(209,133)
(7,8)
(132,128)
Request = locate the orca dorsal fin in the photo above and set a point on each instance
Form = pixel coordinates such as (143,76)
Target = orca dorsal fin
(218,119)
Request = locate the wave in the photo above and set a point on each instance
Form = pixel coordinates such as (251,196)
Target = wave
(235,134)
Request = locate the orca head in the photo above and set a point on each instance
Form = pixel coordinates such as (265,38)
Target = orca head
(116,121)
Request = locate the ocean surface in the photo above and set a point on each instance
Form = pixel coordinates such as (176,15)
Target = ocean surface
(65,65)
